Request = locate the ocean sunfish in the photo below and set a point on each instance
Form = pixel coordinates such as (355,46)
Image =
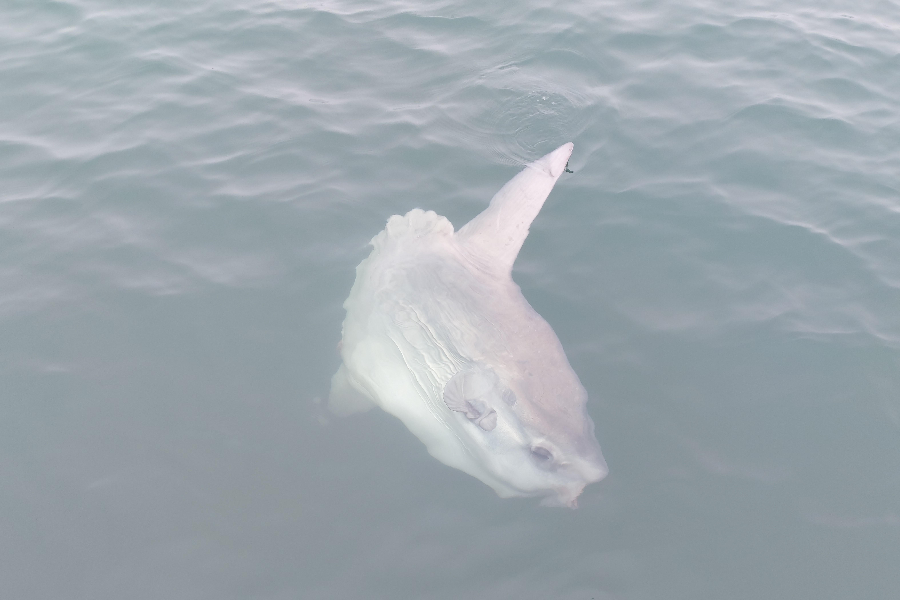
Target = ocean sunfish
(439,335)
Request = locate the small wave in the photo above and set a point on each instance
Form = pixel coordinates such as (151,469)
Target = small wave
(524,124)
(532,124)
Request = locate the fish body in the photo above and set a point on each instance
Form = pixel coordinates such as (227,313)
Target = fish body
(439,335)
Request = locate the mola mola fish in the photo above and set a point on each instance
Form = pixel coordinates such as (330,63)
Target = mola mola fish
(439,335)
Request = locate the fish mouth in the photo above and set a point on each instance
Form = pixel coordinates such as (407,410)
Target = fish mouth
(589,471)
(565,497)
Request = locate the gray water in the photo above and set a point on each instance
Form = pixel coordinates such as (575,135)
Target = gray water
(187,188)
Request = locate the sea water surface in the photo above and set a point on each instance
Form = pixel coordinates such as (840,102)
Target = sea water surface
(187,187)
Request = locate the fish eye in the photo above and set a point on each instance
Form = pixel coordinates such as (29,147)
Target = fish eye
(541,454)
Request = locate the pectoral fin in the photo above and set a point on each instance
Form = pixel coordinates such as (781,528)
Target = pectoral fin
(469,392)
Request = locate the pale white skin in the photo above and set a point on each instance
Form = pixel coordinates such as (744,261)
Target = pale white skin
(439,335)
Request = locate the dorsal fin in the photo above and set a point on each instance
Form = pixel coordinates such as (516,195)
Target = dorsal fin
(493,238)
